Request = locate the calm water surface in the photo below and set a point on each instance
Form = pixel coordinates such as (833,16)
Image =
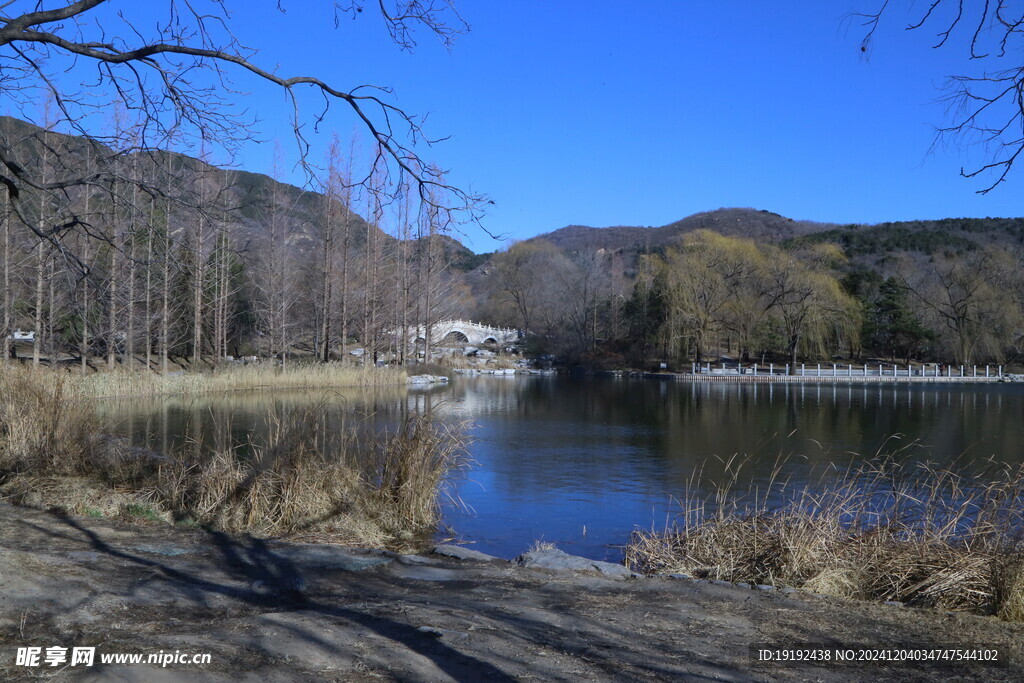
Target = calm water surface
(583,462)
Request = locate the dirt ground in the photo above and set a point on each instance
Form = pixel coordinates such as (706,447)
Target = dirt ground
(280,612)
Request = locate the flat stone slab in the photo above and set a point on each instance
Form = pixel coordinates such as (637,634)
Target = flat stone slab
(553,558)
(422,573)
(461,553)
(161,549)
(417,560)
(327,557)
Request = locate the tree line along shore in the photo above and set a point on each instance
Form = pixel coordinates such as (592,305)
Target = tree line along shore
(180,261)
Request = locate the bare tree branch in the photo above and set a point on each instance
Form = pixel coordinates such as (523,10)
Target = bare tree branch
(985,108)
(175,82)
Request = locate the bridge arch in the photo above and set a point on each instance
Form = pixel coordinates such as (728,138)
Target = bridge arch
(455,336)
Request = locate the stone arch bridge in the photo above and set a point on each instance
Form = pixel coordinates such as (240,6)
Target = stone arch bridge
(465,333)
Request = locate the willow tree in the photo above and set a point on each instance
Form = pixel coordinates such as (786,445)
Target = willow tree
(809,305)
(697,293)
(711,284)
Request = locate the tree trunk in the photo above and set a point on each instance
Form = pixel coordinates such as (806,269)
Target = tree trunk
(112,308)
(128,357)
(165,300)
(197,295)
(149,286)
(7,331)
(51,305)
(38,326)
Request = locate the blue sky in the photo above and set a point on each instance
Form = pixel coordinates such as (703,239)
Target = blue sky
(641,113)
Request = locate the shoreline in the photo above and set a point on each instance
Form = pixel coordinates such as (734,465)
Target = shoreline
(271,610)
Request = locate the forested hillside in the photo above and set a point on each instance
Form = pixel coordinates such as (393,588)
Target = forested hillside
(749,284)
(173,258)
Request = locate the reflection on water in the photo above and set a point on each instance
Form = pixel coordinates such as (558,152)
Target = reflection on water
(581,463)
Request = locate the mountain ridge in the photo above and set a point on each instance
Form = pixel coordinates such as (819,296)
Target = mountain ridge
(249,191)
(761,225)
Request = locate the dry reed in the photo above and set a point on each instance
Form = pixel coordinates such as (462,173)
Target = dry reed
(41,427)
(311,479)
(250,377)
(918,534)
(308,477)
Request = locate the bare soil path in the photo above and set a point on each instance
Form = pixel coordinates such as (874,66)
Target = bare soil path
(268,611)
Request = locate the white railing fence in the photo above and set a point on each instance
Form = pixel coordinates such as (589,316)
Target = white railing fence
(936,370)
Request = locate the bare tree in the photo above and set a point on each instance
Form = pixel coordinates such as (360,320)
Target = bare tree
(148,313)
(197,259)
(43,251)
(373,296)
(973,299)
(516,275)
(175,75)
(83,349)
(584,285)
(333,223)
(403,279)
(986,105)
(165,276)
(132,238)
(275,281)
(807,302)
(346,199)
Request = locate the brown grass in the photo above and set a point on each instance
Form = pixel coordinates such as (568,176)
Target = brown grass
(920,534)
(309,480)
(310,476)
(41,427)
(258,376)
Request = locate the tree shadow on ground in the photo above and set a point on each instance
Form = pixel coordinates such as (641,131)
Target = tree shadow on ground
(253,562)
(251,573)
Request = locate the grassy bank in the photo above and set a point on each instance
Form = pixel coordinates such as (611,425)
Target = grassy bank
(309,477)
(251,377)
(916,534)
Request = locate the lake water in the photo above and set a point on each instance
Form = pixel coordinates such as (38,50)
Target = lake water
(583,462)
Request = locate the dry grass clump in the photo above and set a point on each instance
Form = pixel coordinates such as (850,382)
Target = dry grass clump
(1008,582)
(52,450)
(310,478)
(249,377)
(540,545)
(409,471)
(41,427)
(310,475)
(917,534)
